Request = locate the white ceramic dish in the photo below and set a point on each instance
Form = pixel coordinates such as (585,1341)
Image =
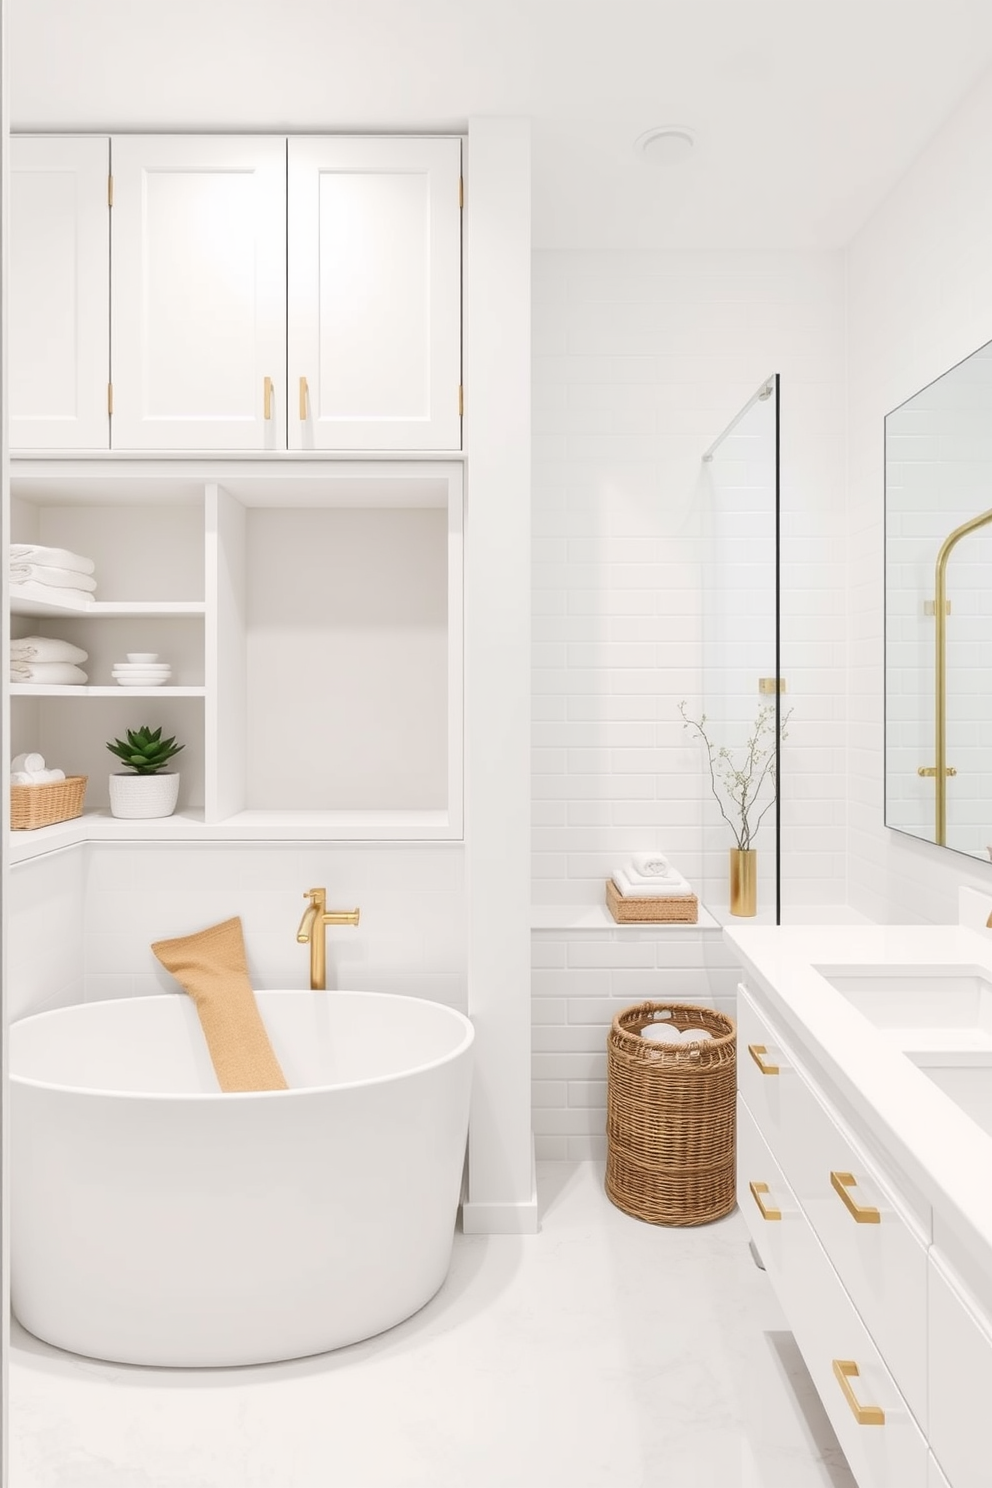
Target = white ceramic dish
(141,681)
(142,656)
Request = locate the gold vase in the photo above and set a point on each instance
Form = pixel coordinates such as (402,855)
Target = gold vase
(743,881)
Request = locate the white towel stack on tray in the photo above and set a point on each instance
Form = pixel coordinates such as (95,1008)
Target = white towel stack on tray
(43,661)
(54,575)
(650,876)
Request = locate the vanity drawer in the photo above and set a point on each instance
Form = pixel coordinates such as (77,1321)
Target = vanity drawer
(873,1243)
(766,1201)
(764,1069)
(884,1446)
(960,1382)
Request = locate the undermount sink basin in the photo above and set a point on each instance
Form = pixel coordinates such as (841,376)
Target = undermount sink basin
(945,1008)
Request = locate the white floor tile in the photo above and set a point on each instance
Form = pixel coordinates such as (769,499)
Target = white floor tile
(601,1353)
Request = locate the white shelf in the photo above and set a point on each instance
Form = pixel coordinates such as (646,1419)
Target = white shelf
(188,826)
(598,917)
(106,608)
(30,689)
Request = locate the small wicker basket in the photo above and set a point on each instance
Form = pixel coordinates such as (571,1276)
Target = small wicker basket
(42,805)
(671,1116)
(661,911)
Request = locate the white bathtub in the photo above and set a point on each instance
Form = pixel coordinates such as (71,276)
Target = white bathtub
(155,1220)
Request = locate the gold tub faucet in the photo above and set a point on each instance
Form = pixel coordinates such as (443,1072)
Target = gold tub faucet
(316,918)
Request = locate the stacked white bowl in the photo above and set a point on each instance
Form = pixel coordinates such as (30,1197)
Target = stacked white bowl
(142,669)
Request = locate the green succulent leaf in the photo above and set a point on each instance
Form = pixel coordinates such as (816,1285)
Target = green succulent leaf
(145,752)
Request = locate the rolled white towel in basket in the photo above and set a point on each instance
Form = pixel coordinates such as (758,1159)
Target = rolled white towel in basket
(36,777)
(31,763)
(652,865)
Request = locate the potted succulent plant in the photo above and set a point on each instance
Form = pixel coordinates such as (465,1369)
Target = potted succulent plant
(142,790)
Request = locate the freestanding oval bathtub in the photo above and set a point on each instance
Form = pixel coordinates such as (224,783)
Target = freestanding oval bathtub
(155,1220)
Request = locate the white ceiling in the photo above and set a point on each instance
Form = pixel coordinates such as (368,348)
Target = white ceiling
(806,111)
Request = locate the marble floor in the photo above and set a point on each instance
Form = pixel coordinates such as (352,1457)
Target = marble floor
(601,1353)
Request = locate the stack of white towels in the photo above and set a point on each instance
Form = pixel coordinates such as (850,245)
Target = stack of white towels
(650,876)
(29,769)
(51,574)
(43,661)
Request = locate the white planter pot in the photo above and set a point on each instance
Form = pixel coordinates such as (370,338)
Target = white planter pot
(143,796)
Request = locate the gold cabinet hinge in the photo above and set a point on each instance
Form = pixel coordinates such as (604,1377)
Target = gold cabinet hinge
(110,397)
(461,191)
(461,400)
(110,191)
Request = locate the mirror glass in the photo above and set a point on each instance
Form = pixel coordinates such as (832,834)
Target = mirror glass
(938,610)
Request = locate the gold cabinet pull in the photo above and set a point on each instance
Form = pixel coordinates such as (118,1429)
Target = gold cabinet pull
(756,1051)
(267,397)
(768,1211)
(866,1415)
(863,1213)
(304,393)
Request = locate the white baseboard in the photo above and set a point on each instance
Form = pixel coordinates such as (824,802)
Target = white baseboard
(482,1217)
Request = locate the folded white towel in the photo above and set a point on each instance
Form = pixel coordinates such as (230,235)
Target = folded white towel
(656,890)
(651,864)
(46,648)
(670,876)
(36,777)
(68,599)
(28,762)
(57,557)
(52,578)
(47,673)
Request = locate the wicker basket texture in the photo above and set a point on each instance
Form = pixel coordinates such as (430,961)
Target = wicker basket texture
(684,911)
(42,805)
(671,1116)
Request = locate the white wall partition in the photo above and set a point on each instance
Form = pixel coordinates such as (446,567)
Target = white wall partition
(919,302)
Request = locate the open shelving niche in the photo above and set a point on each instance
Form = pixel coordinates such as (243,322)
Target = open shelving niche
(312,612)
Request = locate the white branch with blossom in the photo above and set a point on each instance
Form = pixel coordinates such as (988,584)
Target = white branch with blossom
(742,784)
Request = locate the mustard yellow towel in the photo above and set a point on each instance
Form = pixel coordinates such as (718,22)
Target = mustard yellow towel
(211,966)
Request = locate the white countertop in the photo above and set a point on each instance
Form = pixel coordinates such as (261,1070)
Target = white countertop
(940,1149)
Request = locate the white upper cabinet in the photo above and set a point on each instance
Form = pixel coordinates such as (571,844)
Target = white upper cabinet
(58,308)
(198,289)
(374,294)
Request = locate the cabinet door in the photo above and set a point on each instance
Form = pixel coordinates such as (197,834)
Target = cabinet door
(199,276)
(59,301)
(374,346)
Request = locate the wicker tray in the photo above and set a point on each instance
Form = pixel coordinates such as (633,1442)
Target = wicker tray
(671,1116)
(41,805)
(650,911)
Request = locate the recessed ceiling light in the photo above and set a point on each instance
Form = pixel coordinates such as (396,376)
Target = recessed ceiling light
(668,145)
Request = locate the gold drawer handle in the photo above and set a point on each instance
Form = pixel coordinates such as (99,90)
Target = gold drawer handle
(767,1210)
(267,397)
(865,1415)
(756,1051)
(863,1213)
(303,400)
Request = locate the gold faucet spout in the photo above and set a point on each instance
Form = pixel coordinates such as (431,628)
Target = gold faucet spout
(316,918)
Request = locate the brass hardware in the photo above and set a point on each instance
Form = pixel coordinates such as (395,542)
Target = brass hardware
(316,918)
(940,671)
(461,401)
(771,685)
(767,1210)
(930,607)
(988,923)
(267,397)
(931,770)
(110,397)
(110,191)
(866,1415)
(756,1051)
(461,191)
(304,393)
(863,1213)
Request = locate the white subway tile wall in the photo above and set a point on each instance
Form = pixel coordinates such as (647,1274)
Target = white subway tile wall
(45,917)
(640,361)
(920,300)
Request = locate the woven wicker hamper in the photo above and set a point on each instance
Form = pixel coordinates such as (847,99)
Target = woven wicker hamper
(671,1116)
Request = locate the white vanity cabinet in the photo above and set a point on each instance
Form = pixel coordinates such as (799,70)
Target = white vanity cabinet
(198,292)
(374,338)
(58,308)
(960,1379)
